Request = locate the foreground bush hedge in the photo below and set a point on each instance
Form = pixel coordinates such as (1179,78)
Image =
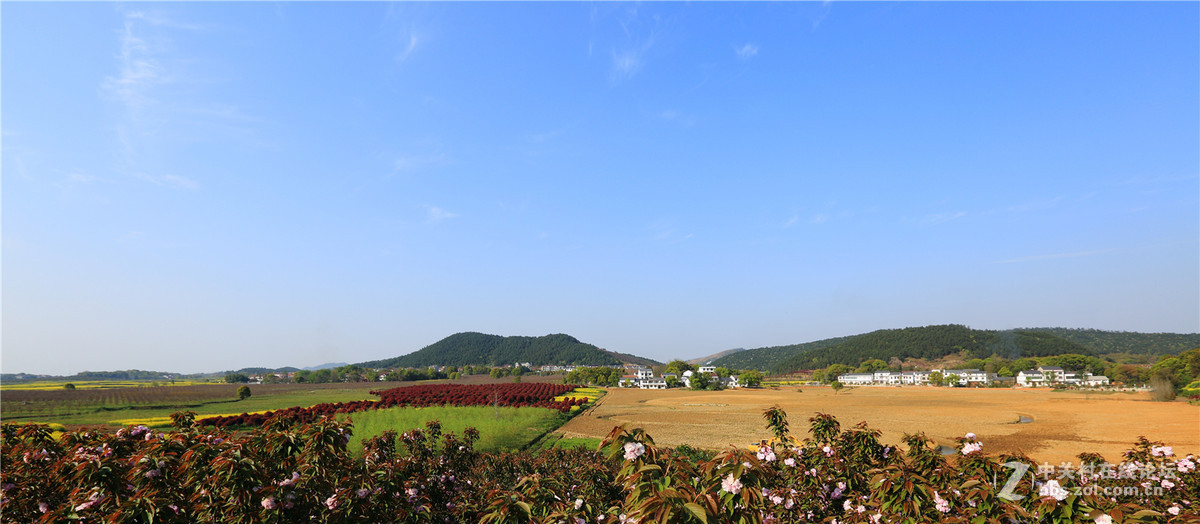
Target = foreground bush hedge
(288,471)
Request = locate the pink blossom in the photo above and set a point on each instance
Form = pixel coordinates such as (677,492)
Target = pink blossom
(941,503)
(268,503)
(1052,489)
(634,450)
(332,502)
(43,507)
(971,436)
(1185,465)
(971,447)
(1174,510)
(1104,519)
(790,461)
(731,485)
(291,481)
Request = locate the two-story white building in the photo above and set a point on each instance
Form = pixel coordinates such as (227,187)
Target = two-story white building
(857,379)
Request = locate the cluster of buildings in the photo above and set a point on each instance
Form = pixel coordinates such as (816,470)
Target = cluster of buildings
(643,377)
(966,377)
(1051,375)
(1043,376)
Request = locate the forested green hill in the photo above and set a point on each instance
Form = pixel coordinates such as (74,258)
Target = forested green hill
(766,358)
(929,342)
(1126,341)
(463,349)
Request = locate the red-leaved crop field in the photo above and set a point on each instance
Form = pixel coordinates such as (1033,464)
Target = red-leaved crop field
(540,395)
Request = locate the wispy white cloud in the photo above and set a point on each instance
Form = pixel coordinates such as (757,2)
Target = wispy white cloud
(1036,205)
(795,218)
(672,115)
(746,51)
(638,36)
(665,230)
(819,218)
(162,100)
(409,45)
(1036,258)
(538,138)
(413,162)
(626,63)
(169,180)
(139,68)
(942,218)
(435,214)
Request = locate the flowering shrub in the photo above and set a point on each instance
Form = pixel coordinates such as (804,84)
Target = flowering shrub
(290,471)
(515,395)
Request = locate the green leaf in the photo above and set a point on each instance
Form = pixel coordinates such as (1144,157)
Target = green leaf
(696,510)
(525,507)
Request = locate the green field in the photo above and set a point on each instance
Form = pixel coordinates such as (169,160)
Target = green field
(152,405)
(500,429)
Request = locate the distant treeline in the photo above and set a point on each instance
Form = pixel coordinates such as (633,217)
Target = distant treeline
(935,342)
(493,350)
(128,374)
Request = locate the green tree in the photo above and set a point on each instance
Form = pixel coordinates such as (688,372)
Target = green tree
(936,378)
(271,378)
(952,379)
(243,392)
(497,372)
(700,381)
(235,378)
(722,372)
(751,379)
(1023,364)
(872,365)
(69,386)
(677,367)
(837,386)
(672,382)
(836,370)
(321,376)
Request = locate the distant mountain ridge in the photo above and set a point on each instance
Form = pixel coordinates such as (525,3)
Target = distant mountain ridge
(934,342)
(474,349)
(706,359)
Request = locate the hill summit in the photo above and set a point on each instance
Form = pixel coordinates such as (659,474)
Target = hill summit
(462,349)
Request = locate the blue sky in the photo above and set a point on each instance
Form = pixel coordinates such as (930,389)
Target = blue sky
(203,186)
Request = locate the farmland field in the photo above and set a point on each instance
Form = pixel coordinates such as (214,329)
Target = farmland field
(1063,425)
(500,429)
(130,405)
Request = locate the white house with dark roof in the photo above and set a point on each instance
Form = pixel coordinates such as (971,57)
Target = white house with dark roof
(857,378)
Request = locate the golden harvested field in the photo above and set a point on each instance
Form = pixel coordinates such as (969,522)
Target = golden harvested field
(1064,423)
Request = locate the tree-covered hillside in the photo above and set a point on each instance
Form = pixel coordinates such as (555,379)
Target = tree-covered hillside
(463,349)
(767,358)
(929,343)
(1126,341)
